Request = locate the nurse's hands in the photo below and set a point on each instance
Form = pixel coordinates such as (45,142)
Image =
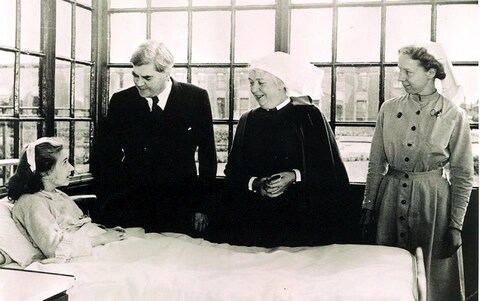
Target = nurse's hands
(275,185)
(451,243)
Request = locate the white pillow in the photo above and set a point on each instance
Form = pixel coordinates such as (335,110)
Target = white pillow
(12,242)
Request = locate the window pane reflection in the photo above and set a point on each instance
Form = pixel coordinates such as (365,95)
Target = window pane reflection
(7,22)
(244,99)
(171,28)
(6,140)
(325,103)
(405,25)
(127,32)
(221,142)
(62,88)
(216,82)
(6,82)
(29,92)
(82,147)
(359,34)
(354,144)
(62,130)
(82,90)
(307,40)
(393,87)
(211,37)
(127,3)
(28,132)
(30,31)
(468,78)
(210,2)
(64,26)
(475,156)
(83,40)
(120,78)
(254,34)
(357,93)
(459,35)
(169,3)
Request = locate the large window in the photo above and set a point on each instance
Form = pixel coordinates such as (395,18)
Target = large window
(354,42)
(47,81)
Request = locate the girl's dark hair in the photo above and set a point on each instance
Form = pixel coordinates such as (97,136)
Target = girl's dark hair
(24,180)
(427,60)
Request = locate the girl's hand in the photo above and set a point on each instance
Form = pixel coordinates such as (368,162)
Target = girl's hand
(111,235)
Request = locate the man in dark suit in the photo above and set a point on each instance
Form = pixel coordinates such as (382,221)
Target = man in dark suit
(148,175)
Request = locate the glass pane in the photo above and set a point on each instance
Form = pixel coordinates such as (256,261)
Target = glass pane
(325,104)
(359,34)
(311,36)
(30,30)
(171,28)
(169,3)
(210,2)
(179,74)
(357,93)
(221,142)
(351,1)
(406,25)
(82,147)
(458,31)
(7,22)
(127,32)
(7,60)
(83,41)
(469,79)
(248,45)
(310,1)
(64,27)
(393,87)
(217,82)
(354,144)
(127,3)
(62,130)
(82,90)
(120,78)
(475,156)
(254,2)
(244,99)
(213,27)
(29,83)
(86,2)
(28,132)
(6,140)
(62,88)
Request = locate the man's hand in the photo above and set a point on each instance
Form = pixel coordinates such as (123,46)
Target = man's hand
(200,221)
(451,243)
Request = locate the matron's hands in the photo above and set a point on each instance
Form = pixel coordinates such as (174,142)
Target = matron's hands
(276,184)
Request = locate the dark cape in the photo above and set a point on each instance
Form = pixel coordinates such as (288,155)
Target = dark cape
(310,212)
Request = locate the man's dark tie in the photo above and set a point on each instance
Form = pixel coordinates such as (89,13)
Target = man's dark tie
(155,105)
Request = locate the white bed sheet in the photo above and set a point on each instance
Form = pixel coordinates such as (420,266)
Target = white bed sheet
(171,266)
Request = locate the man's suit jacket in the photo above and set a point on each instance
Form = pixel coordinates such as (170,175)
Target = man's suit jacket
(135,155)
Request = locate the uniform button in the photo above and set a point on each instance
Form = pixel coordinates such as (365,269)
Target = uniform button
(402,234)
(409,144)
(406,176)
(403,202)
(407,159)
(414,128)
(399,114)
(402,218)
(418,112)
(404,185)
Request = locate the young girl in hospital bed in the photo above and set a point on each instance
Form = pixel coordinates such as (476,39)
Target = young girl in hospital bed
(47,217)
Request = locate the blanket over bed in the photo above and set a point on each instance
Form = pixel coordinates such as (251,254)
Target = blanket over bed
(171,266)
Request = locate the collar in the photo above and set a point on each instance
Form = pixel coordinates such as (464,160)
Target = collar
(163,96)
(425,98)
(281,105)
